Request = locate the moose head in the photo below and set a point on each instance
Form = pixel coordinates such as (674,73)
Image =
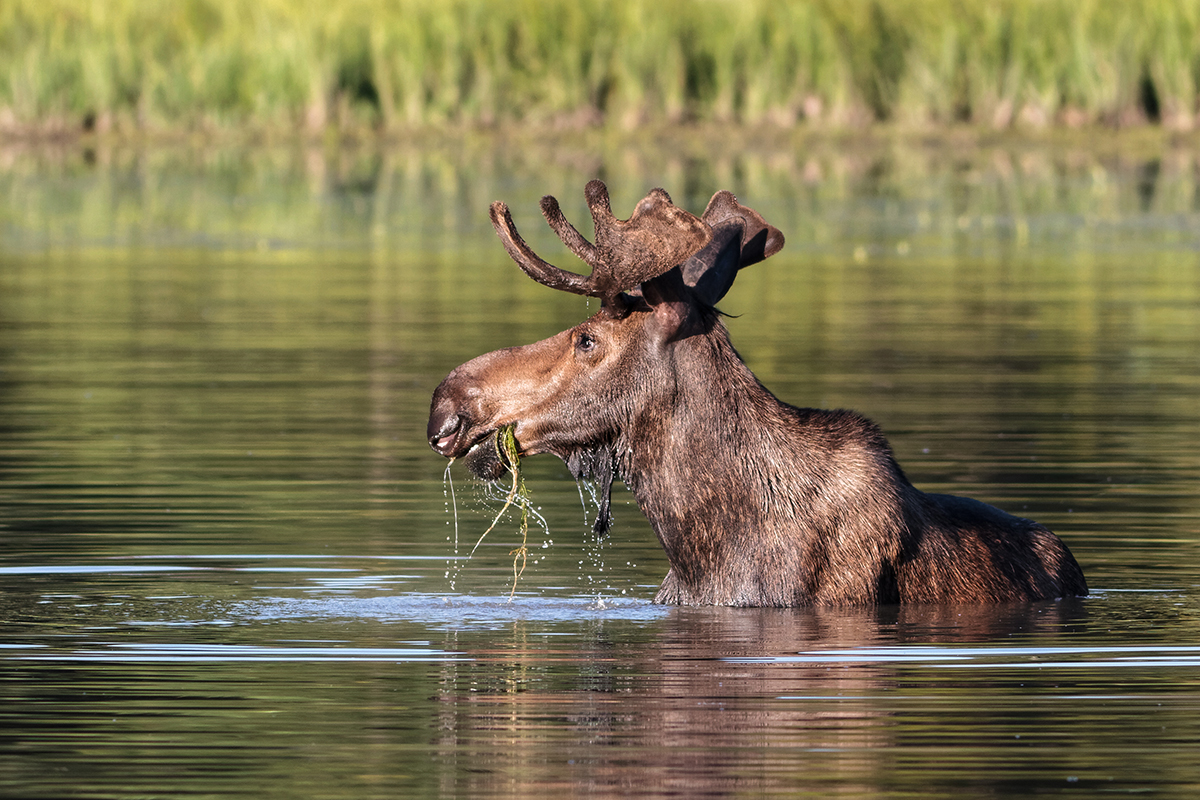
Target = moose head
(754,501)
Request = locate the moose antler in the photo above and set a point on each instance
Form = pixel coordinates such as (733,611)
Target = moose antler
(658,237)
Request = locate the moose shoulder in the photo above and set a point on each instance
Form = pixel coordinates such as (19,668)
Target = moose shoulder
(756,502)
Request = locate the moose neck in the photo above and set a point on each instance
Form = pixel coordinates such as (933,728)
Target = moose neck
(706,466)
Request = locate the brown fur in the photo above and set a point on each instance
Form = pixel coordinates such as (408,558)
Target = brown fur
(755,502)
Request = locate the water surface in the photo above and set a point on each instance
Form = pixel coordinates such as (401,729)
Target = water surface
(230,565)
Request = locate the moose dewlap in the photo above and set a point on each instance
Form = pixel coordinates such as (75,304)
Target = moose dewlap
(756,502)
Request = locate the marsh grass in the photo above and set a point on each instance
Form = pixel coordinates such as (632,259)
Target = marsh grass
(405,64)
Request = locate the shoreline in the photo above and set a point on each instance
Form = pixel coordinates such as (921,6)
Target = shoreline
(1099,141)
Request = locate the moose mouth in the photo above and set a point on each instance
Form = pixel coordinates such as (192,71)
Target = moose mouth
(480,450)
(485,459)
(452,437)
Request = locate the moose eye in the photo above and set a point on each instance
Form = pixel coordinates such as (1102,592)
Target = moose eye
(584,343)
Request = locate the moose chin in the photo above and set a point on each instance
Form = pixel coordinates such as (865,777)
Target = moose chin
(756,502)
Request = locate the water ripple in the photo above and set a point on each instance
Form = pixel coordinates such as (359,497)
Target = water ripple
(449,612)
(996,657)
(192,653)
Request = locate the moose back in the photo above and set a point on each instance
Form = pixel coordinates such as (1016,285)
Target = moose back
(756,502)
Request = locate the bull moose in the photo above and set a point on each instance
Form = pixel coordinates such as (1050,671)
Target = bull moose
(756,502)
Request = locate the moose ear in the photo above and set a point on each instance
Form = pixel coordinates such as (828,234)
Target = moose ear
(741,237)
(711,271)
(760,239)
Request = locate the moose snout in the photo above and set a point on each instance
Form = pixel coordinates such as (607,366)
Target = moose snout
(447,423)
(452,414)
(443,430)
(506,386)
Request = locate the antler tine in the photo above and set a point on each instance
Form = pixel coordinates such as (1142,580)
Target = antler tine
(596,194)
(571,237)
(541,271)
(658,237)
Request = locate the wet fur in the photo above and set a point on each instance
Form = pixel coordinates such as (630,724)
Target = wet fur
(760,503)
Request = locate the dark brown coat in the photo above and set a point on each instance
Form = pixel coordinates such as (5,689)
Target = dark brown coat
(756,502)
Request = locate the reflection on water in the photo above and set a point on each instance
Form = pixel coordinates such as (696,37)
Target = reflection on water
(553,694)
(226,551)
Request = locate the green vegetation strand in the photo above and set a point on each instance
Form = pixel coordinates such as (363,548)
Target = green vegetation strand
(396,64)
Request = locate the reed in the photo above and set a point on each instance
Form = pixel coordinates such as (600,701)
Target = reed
(397,64)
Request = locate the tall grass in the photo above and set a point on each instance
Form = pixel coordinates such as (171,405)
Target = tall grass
(413,63)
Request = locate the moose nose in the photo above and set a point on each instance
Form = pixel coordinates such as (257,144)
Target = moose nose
(443,429)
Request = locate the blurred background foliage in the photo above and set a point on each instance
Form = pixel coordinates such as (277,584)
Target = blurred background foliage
(401,64)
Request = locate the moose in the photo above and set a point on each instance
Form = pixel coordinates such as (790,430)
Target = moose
(756,502)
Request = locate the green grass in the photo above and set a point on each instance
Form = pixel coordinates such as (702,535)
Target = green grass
(403,64)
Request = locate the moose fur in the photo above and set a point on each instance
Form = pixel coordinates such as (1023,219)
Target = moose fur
(756,502)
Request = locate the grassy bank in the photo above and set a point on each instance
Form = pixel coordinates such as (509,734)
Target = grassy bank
(401,64)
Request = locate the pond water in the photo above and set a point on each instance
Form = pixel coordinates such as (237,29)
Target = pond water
(230,566)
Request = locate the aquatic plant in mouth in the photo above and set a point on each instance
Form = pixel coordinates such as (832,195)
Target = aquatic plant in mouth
(498,455)
(489,460)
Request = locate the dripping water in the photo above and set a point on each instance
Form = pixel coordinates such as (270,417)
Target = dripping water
(487,495)
(592,566)
(452,564)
